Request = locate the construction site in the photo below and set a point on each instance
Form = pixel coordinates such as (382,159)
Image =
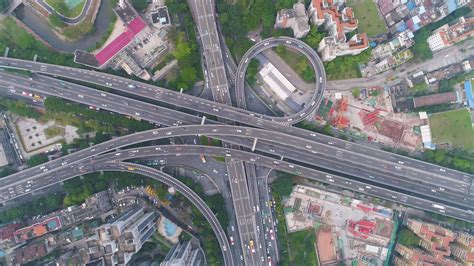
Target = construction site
(347,230)
(368,114)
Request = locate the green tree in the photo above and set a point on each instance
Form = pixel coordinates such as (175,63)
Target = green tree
(408,238)
(188,76)
(421,49)
(252,70)
(183,49)
(139,5)
(55,20)
(37,160)
(283,185)
(4,4)
(314,37)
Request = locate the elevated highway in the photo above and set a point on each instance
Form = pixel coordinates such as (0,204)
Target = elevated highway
(364,155)
(319,155)
(295,44)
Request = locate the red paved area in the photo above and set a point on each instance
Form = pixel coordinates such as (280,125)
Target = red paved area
(121,41)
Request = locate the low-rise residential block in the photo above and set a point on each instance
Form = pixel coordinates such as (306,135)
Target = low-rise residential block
(448,35)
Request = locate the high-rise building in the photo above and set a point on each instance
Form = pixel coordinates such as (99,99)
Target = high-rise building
(337,20)
(295,18)
(116,242)
(463,248)
(188,253)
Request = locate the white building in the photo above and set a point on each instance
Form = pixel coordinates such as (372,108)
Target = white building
(447,35)
(276,82)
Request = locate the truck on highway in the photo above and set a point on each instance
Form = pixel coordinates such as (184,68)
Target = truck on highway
(203,158)
(438,206)
(252,247)
(131,168)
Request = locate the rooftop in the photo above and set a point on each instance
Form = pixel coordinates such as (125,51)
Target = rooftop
(119,43)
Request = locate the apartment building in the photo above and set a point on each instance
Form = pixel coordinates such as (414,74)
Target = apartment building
(116,242)
(295,18)
(337,21)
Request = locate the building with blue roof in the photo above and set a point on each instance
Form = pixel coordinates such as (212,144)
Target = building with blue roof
(411,5)
(469,94)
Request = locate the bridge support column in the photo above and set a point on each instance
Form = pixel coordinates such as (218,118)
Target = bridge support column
(203,119)
(254,144)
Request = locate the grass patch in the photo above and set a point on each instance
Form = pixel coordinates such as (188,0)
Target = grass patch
(369,20)
(204,140)
(352,73)
(54,131)
(302,244)
(454,127)
(298,62)
(219,159)
(62,8)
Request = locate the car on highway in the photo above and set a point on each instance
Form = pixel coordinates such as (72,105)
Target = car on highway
(252,246)
(231,240)
(272,234)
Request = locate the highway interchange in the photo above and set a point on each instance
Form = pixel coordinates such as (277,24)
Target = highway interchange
(115,103)
(318,151)
(267,141)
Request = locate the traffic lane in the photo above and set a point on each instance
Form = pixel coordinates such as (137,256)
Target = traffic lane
(310,173)
(105,96)
(152,107)
(255,201)
(242,207)
(248,119)
(187,192)
(270,150)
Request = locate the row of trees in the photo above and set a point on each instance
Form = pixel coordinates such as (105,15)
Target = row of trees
(252,71)
(186,50)
(19,107)
(450,160)
(90,120)
(346,63)
(42,205)
(24,46)
(215,203)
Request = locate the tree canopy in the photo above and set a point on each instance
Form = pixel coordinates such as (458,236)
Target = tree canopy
(139,5)
(37,160)
(314,37)
(408,238)
(252,70)
(4,4)
(283,185)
